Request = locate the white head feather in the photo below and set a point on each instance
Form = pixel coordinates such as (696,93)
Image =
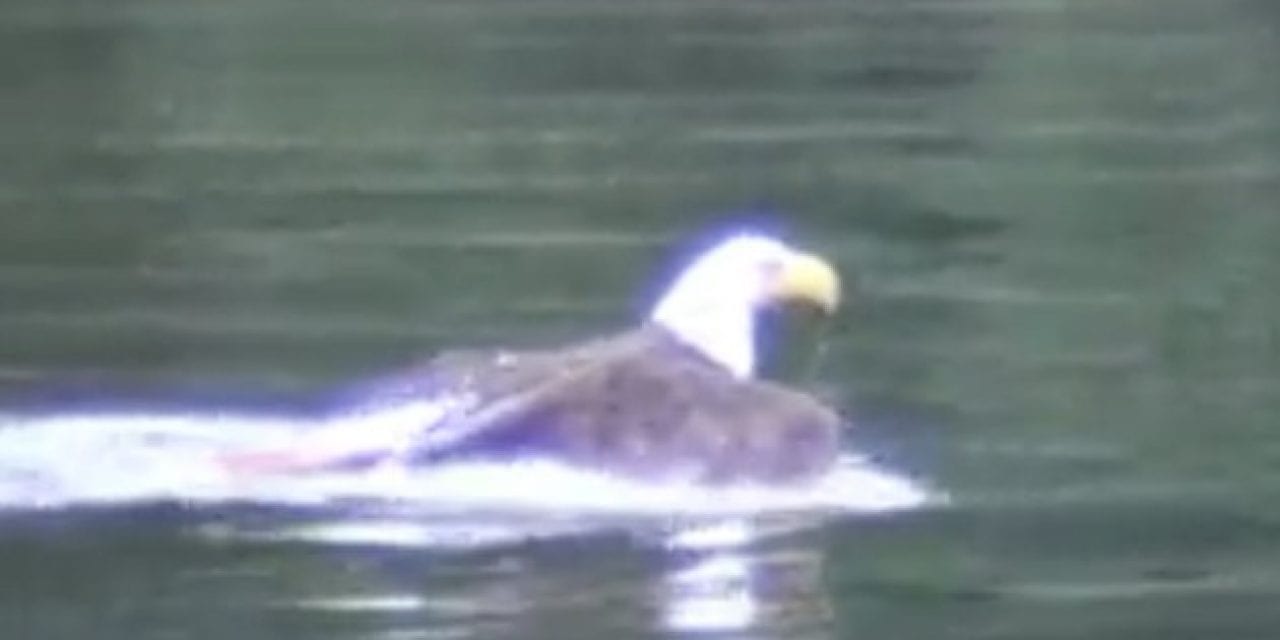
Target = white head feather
(712,304)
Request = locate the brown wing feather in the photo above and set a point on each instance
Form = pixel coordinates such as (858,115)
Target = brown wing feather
(643,405)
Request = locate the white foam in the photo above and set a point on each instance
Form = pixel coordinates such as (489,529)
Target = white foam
(65,460)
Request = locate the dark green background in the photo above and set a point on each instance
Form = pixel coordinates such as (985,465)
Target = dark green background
(1062,216)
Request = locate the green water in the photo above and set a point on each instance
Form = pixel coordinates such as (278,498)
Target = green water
(1061,217)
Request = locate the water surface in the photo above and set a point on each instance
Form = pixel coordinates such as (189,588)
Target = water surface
(1061,215)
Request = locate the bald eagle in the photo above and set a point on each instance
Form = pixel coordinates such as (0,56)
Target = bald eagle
(675,398)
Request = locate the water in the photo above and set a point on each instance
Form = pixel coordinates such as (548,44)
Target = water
(1058,218)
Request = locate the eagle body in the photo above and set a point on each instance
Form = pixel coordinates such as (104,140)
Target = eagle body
(640,404)
(674,398)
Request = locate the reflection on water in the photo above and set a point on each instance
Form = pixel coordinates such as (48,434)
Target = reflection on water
(715,594)
(730,586)
(751,588)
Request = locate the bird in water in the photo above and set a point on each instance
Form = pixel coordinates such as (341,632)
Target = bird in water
(676,397)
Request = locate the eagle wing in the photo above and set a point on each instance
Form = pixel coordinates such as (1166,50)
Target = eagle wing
(639,404)
(643,406)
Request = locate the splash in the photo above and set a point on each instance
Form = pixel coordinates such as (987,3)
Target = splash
(68,459)
(61,462)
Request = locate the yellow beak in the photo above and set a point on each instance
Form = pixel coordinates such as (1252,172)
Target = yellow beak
(808,278)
